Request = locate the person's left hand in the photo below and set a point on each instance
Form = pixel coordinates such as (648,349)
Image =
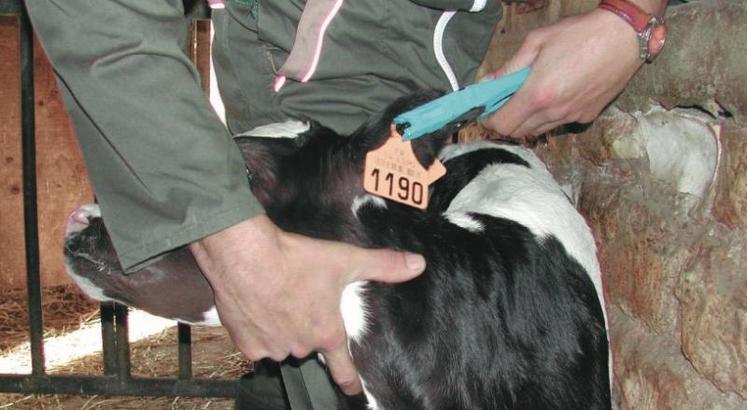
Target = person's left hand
(579,65)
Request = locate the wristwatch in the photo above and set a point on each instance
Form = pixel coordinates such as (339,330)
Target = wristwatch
(651,30)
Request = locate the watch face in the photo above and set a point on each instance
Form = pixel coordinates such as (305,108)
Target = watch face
(657,39)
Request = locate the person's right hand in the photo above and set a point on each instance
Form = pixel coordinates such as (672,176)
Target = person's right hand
(278,293)
(579,65)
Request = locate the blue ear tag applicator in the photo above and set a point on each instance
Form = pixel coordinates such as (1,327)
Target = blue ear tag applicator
(475,101)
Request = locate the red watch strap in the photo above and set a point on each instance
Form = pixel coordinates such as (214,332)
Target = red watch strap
(629,12)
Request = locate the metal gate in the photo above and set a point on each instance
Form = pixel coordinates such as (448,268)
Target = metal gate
(116,379)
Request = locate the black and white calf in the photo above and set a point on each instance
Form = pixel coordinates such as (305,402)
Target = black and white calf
(508,314)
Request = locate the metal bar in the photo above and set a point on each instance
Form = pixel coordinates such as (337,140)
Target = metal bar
(184,338)
(31,225)
(122,341)
(113,386)
(108,342)
(114,328)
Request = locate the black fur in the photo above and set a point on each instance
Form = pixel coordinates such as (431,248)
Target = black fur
(500,319)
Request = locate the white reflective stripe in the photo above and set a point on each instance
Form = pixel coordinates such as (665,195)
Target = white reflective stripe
(278,83)
(320,40)
(304,57)
(217,4)
(478,5)
(438,48)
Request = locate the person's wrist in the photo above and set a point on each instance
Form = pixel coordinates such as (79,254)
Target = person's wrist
(617,31)
(648,27)
(208,250)
(653,7)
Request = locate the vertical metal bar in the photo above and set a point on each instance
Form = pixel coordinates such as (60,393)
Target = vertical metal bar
(31,226)
(108,342)
(185,351)
(123,344)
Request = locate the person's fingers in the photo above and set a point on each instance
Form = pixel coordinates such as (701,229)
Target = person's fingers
(533,110)
(523,57)
(342,370)
(254,340)
(248,345)
(384,265)
(511,116)
(541,129)
(535,125)
(356,263)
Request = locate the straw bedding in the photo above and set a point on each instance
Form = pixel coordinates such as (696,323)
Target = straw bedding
(66,310)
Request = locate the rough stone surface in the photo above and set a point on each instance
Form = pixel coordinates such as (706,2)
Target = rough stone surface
(661,177)
(714,310)
(703,63)
(651,372)
(674,275)
(730,207)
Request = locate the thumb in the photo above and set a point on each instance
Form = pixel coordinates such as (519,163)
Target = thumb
(524,57)
(385,265)
(509,117)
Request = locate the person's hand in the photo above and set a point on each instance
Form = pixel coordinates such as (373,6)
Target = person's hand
(279,293)
(579,65)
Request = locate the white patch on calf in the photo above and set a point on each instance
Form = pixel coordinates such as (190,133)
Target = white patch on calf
(354,314)
(89,288)
(362,200)
(531,197)
(465,221)
(288,129)
(455,150)
(372,404)
(210,318)
(79,218)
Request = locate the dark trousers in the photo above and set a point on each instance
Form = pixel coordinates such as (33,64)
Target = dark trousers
(293,384)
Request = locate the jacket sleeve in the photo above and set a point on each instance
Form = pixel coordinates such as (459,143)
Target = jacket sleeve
(461,5)
(164,169)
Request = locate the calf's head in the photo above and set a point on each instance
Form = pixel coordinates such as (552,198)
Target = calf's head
(308,180)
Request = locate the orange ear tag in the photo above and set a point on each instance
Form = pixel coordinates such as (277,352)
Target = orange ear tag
(393,172)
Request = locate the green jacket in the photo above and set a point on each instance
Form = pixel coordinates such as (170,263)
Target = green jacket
(370,53)
(164,168)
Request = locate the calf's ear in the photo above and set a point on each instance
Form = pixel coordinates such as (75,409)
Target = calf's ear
(375,131)
(265,149)
(426,148)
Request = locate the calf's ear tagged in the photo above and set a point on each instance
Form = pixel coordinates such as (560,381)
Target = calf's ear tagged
(375,132)
(393,171)
(428,146)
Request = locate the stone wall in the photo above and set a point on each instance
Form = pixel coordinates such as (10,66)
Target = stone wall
(661,177)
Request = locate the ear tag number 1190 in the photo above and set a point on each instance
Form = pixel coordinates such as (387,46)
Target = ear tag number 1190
(393,172)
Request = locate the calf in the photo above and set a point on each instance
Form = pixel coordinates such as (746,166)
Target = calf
(508,314)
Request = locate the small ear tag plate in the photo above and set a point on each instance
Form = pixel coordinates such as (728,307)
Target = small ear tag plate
(393,172)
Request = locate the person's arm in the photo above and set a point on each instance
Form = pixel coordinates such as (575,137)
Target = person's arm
(164,168)
(278,294)
(166,173)
(579,65)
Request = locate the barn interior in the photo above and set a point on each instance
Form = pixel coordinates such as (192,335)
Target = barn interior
(660,176)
